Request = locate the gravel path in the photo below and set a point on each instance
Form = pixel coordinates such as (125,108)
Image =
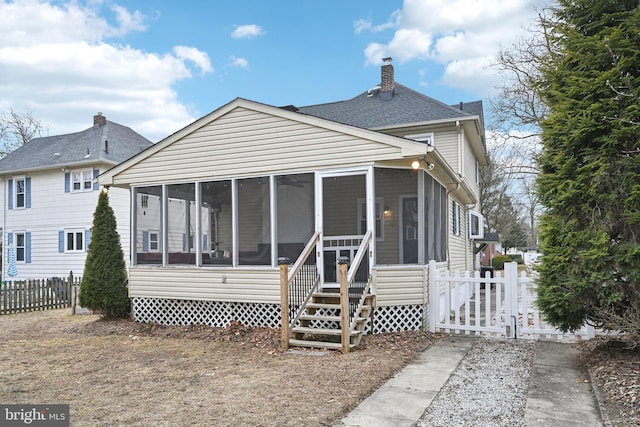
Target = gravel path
(489,388)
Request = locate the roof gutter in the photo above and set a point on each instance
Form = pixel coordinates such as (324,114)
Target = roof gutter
(71,165)
(427,123)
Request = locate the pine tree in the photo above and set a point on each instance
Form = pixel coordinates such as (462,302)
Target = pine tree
(104,284)
(590,179)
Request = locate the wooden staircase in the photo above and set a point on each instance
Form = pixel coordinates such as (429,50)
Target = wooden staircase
(320,322)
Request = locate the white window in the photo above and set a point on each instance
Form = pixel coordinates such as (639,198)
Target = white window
(20,247)
(455,214)
(427,138)
(362,218)
(154,241)
(82,181)
(476,225)
(21,192)
(74,240)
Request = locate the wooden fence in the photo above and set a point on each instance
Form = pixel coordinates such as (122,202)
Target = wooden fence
(37,294)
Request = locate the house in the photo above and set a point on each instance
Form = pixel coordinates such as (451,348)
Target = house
(49,194)
(387,180)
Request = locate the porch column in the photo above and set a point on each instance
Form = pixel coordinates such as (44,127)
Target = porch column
(344,305)
(284,301)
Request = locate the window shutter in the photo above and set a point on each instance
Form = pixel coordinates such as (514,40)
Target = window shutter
(184,242)
(204,242)
(27,247)
(27,192)
(96,172)
(10,201)
(87,239)
(145,241)
(61,241)
(67,182)
(9,239)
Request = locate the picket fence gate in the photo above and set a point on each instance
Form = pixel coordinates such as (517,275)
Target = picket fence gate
(499,306)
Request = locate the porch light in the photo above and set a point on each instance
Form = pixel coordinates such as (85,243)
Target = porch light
(387,212)
(415,165)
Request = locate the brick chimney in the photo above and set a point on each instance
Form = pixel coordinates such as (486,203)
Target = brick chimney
(99,120)
(387,82)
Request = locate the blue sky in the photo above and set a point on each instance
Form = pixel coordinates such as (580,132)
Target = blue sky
(158,65)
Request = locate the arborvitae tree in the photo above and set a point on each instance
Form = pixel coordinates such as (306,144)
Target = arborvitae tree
(104,284)
(590,179)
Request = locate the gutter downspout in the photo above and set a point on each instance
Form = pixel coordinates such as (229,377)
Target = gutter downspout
(460,150)
(4,226)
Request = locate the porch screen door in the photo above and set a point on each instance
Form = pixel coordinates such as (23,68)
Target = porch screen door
(340,224)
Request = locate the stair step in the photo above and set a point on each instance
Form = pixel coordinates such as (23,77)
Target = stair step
(320,331)
(317,344)
(323,318)
(323,305)
(326,295)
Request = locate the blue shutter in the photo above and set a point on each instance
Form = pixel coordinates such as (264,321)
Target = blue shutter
(9,239)
(67,182)
(204,242)
(27,247)
(10,201)
(87,239)
(96,172)
(145,241)
(60,241)
(27,192)
(184,242)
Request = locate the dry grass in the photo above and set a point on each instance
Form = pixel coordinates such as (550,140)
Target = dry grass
(123,373)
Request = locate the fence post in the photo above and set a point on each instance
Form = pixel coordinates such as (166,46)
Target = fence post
(284,301)
(72,293)
(344,304)
(433,296)
(511,298)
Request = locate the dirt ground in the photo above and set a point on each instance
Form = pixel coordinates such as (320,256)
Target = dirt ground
(122,373)
(614,366)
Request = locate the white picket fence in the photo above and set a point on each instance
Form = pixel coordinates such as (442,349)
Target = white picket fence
(502,306)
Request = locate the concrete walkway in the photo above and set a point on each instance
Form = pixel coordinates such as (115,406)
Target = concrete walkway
(402,400)
(558,394)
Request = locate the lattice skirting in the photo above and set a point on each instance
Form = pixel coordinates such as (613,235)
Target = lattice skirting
(221,314)
(212,313)
(397,318)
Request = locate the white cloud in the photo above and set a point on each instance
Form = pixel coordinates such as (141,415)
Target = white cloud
(56,61)
(128,21)
(247,31)
(362,25)
(463,35)
(201,59)
(239,62)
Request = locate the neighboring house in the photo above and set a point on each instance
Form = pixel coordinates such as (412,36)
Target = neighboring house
(488,248)
(49,194)
(271,181)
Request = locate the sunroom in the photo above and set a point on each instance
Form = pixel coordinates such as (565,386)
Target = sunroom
(219,206)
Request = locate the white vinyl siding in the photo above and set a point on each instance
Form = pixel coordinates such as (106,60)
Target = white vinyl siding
(471,171)
(401,285)
(257,284)
(271,141)
(52,211)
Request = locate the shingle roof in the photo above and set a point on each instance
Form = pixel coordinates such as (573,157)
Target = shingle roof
(110,143)
(406,106)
